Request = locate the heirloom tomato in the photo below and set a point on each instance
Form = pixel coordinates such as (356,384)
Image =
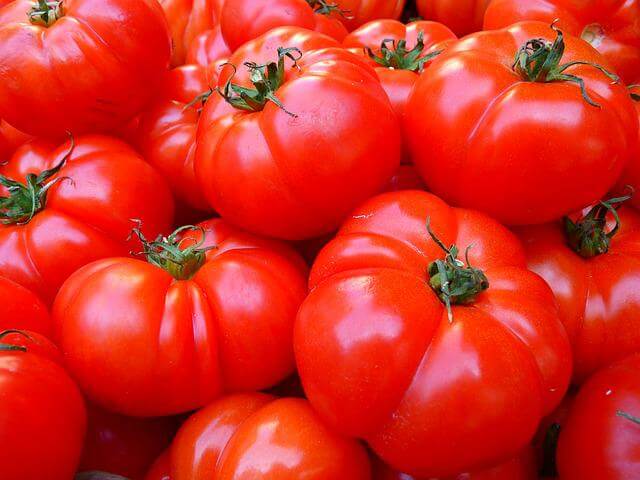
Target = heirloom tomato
(526,142)
(208,48)
(359,12)
(161,468)
(610,26)
(258,437)
(64,207)
(22,309)
(398,336)
(10,139)
(211,311)
(462,16)
(79,66)
(281,157)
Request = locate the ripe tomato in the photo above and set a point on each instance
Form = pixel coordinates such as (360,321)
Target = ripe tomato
(601,436)
(405,178)
(285,165)
(199,323)
(22,309)
(160,468)
(208,48)
(256,436)
(124,445)
(43,417)
(611,26)
(462,16)
(79,65)
(485,137)
(10,139)
(381,358)
(631,175)
(244,20)
(87,192)
(593,269)
(359,12)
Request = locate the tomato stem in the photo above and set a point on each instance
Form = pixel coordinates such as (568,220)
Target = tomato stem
(46,13)
(538,60)
(395,55)
(628,416)
(12,348)
(451,280)
(323,7)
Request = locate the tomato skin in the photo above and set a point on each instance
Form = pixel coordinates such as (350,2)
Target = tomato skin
(631,175)
(299,189)
(462,16)
(370,306)
(161,468)
(208,48)
(363,11)
(228,328)
(596,443)
(405,178)
(609,25)
(21,309)
(91,213)
(49,85)
(10,139)
(38,400)
(461,136)
(256,436)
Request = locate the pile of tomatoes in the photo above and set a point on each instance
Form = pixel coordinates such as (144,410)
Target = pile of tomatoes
(319,239)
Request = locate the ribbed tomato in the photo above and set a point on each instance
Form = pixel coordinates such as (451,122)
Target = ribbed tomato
(10,139)
(21,309)
(208,48)
(462,16)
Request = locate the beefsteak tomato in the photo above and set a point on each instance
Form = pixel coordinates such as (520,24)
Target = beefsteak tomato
(631,175)
(10,139)
(160,470)
(359,12)
(397,337)
(462,16)
(22,309)
(208,48)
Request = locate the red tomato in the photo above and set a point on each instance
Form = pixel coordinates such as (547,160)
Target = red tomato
(601,437)
(79,65)
(10,139)
(405,178)
(160,468)
(199,324)
(289,171)
(81,213)
(245,20)
(611,26)
(43,418)
(461,16)
(484,137)
(631,176)
(594,272)
(123,445)
(188,19)
(255,436)
(208,48)
(22,309)
(359,12)
(381,358)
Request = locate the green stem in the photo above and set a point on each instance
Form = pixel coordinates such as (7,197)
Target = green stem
(46,13)
(324,7)
(628,416)
(395,55)
(5,347)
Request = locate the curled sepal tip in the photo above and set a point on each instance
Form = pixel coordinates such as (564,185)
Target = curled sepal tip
(13,348)
(628,416)
(451,280)
(396,55)
(46,13)
(324,7)
(635,96)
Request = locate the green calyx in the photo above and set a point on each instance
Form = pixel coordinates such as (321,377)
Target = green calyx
(323,7)
(27,199)
(538,60)
(266,80)
(169,252)
(634,96)
(588,236)
(46,13)
(396,55)
(5,347)
(451,280)
(628,416)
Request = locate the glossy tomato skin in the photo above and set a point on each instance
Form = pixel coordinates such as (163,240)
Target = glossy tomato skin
(21,309)
(610,26)
(460,136)
(49,85)
(160,470)
(372,318)
(363,11)
(631,175)
(207,48)
(462,16)
(596,443)
(293,177)
(258,437)
(10,139)
(405,178)
(43,419)
(228,328)
(597,297)
(86,216)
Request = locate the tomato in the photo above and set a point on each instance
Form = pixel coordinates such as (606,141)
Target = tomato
(81,212)
(593,270)
(245,20)
(610,26)
(462,16)
(405,178)
(485,137)
(400,52)
(601,436)
(201,319)
(43,417)
(123,445)
(359,12)
(382,357)
(50,85)
(256,436)
(208,48)
(289,168)
(161,468)
(10,139)
(631,175)
(22,309)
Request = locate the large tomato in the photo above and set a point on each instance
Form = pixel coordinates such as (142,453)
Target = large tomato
(160,470)
(600,439)
(462,16)
(199,322)
(244,20)
(10,139)
(43,419)
(22,309)
(631,175)
(297,158)
(208,48)
(188,19)
(258,437)
(381,357)
(611,26)
(491,134)
(79,65)
(71,205)
(359,12)
(594,270)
